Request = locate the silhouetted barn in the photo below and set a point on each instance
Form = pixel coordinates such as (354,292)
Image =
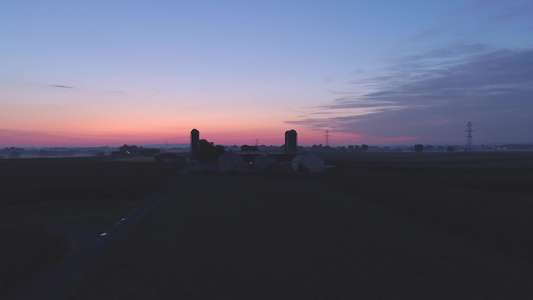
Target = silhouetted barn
(283,157)
(249,158)
(308,161)
(169,158)
(232,162)
(264,163)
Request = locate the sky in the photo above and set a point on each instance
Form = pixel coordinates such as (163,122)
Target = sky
(95,73)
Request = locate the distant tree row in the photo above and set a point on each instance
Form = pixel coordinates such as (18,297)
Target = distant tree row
(350,148)
(420,148)
(7,151)
(127,150)
(249,148)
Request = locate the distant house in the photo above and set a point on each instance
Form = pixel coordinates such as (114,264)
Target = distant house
(264,163)
(232,162)
(308,162)
(169,158)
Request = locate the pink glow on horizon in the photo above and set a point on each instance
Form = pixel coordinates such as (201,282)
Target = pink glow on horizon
(217,132)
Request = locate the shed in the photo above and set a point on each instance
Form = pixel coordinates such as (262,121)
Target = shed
(308,161)
(232,162)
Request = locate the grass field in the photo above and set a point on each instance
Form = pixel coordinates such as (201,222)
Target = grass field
(42,198)
(296,237)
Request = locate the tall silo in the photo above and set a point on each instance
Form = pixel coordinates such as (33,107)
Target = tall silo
(195,142)
(291,143)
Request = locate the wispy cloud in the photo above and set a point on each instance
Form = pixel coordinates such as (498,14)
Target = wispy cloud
(524,10)
(501,11)
(61,86)
(494,89)
(451,51)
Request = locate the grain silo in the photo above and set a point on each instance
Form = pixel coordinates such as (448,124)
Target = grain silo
(291,143)
(195,142)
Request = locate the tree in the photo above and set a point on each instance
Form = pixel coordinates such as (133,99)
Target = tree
(364,147)
(208,152)
(130,150)
(450,149)
(418,148)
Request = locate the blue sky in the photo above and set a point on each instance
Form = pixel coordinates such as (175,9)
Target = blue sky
(374,72)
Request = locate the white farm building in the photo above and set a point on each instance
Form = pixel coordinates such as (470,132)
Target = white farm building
(308,161)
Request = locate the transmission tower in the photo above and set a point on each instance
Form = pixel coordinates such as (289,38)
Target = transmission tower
(469,136)
(327,137)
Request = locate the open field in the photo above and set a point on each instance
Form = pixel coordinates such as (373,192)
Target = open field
(433,158)
(485,197)
(375,225)
(253,237)
(42,199)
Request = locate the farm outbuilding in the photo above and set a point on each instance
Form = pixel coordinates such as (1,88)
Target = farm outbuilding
(232,162)
(308,161)
(264,163)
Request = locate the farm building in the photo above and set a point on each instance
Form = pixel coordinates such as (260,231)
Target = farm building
(232,162)
(308,161)
(264,163)
(169,158)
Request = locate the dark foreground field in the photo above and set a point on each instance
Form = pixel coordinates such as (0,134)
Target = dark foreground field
(333,236)
(376,225)
(45,202)
(485,197)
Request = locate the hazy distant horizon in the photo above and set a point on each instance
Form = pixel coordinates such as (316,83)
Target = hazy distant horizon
(187,146)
